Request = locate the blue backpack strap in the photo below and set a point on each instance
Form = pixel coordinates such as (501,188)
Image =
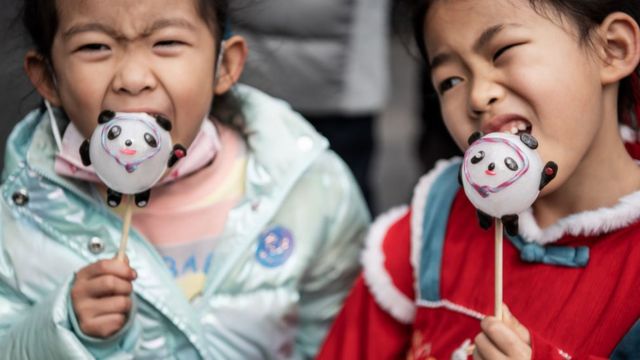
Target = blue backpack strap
(434,227)
(629,346)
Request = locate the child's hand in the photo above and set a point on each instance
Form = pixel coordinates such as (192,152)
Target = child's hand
(506,339)
(101,297)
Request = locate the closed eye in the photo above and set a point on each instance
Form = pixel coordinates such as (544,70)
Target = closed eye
(93,47)
(168,43)
(503,50)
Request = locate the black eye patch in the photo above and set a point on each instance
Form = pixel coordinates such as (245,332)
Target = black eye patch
(150,140)
(114,132)
(511,164)
(477,157)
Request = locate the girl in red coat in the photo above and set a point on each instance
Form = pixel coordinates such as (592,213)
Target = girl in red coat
(563,71)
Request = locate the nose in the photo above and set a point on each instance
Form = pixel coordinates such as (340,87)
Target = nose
(484,93)
(128,142)
(134,75)
(491,166)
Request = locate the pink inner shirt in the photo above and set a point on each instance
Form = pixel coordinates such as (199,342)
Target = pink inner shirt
(195,207)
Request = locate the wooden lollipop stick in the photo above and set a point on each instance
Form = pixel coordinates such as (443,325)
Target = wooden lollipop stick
(128,210)
(498,271)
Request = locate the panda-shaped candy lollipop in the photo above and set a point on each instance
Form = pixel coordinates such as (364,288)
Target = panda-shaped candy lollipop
(502,175)
(130,152)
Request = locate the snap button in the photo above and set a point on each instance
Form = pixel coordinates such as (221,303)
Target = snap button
(96,245)
(20,197)
(304,143)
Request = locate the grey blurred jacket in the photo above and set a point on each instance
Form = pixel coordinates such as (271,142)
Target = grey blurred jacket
(322,56)
(52,226)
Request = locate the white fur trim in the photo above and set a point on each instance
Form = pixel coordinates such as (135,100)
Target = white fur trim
(417,213)
(588,223)
(628,134)
(376,276)
(451,306)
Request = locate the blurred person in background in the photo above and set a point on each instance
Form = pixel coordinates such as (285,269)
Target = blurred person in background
(329,60)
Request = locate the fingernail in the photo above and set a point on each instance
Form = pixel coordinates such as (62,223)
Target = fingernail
(470,349)
(135,274)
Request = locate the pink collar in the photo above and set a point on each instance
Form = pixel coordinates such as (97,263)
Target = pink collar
(201,152)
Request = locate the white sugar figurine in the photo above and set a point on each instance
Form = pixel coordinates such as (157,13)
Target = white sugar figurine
(130,152)
(502,175)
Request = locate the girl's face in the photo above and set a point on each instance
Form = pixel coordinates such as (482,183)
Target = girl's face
(154,56)
(498,65)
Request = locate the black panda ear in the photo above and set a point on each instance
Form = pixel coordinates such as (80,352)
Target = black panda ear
(475,136)
(163,122)
(529,140)
(84,153)
(106,116)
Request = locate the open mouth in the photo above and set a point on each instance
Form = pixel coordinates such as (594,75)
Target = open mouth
(516,127)
(507,123)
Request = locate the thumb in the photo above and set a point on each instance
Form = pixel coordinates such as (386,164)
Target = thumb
(515,325)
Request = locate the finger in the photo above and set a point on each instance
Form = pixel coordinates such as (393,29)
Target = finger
(104,326)
(103,267)
(93,308)
(476,354)
(504,338)
(107,285)
(125,259)
(515,325)
(485,349)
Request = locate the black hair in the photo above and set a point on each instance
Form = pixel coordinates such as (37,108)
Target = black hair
(585,14)
(40,18)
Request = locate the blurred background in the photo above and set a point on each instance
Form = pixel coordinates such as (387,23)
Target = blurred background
(403,148)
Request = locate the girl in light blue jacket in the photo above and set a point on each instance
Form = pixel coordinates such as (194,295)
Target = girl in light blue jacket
(248,244)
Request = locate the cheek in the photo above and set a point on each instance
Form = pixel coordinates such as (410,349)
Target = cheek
(556,84)
(458,124)
(192,98)
(82,99)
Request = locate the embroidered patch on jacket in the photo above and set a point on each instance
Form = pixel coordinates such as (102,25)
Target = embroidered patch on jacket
(275,246)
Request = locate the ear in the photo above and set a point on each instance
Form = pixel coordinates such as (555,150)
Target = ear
(39,72)
(619,48)
(232,64)
(163,122)
(475,136)
(106,116)
(529,140)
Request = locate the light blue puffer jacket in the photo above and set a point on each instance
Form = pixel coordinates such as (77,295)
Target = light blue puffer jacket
(51,227)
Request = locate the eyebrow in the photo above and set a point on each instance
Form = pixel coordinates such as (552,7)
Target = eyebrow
(481,41)
(89,27)
(99,27)
(486,36)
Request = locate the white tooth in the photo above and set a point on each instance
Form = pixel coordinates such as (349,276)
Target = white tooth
(522,126)
(514,130)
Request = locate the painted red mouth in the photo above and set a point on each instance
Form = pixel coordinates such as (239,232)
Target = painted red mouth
(490,172)
(128,151)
